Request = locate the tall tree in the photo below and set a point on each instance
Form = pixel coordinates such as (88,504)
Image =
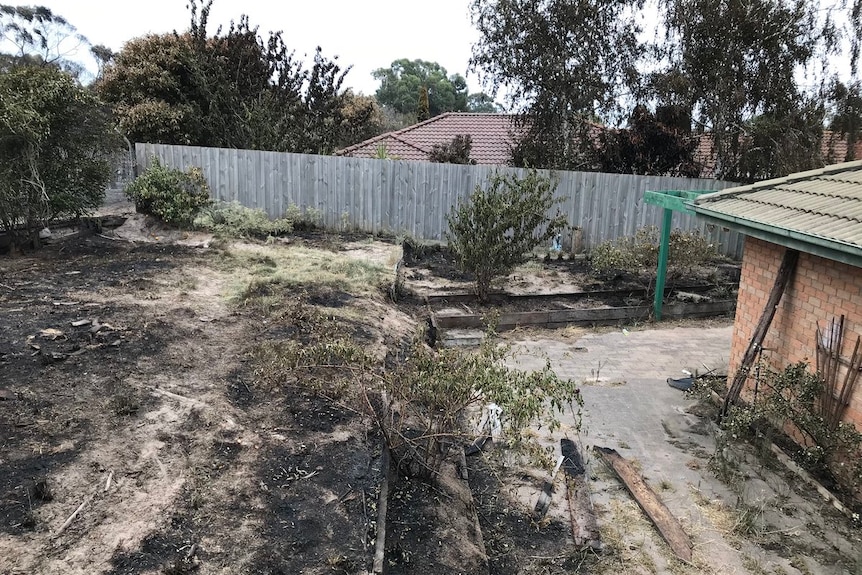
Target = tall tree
(456,151)
(847,115)
(482,103)
(733,61)
(403,81)
(55,142)
(39,37)
(564,64)
(652,144)
(233,89)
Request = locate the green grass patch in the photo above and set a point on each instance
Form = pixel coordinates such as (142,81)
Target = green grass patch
(263,275)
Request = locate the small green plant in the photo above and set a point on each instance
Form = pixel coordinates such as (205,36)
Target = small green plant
(495,229)
(319,356)
(303,221)
(124,403)
(381,152)
(233,220)
(171,195)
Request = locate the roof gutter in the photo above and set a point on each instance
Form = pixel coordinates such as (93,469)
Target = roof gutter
(817,246)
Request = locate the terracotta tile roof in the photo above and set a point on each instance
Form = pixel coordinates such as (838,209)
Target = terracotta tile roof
(833,148)
(822,207)
(491,134)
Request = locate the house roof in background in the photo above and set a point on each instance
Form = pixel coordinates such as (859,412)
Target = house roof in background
(491,135)
(833,148)
(819,211)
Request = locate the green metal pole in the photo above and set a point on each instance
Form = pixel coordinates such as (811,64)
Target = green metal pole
(661,273)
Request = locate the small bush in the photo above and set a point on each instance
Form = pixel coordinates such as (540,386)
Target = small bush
(171,195)
(687,249)
(305,221)
(237,221)
(233,220)
(494,230)
(434,391)
(789,399)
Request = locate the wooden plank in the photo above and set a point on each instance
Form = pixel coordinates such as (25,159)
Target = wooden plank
(562,318)
(785,273)
(585,529)
(523,318)
(599,314)
(667,525)
(704,309)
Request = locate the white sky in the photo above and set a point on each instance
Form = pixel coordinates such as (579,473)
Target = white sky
(367,34)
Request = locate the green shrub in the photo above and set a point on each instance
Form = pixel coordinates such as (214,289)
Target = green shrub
(171,195)
(233,220)
(307,220)
(494,230)
(686,249)
(436,390)
(56,142)
(791,399)
(237,221)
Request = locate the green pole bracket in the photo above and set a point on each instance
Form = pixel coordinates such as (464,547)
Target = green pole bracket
(670,201)
(661,273)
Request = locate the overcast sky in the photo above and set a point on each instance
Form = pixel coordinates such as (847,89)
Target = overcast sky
(367,34)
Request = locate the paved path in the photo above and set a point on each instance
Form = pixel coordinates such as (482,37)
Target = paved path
(629,406)
(627,401)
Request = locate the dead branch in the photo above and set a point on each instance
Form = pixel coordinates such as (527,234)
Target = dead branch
(73,516)
(179,397)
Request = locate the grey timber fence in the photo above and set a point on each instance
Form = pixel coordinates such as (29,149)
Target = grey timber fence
(396,196)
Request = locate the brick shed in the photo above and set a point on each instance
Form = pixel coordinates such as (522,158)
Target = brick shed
(819,214)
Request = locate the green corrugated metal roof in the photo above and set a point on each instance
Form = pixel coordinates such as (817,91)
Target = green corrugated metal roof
(822,208)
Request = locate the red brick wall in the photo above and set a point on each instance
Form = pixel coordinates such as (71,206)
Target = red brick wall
(820,290)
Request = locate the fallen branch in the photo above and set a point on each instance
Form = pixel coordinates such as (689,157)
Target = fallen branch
(177,396)
(652,505)
(108,482)
(116,239)
(382,505)
(73,516)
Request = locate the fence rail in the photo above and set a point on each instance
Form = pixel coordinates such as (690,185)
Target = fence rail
(414,197)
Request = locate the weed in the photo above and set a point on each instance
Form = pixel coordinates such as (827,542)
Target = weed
(790,400)
(124,403)
(311,365)
(798,562)
(186,284)
(435,390)
(598,370)
(749,520)
(753,565)
(264,276)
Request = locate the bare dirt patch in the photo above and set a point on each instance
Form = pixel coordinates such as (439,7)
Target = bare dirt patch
(130,386)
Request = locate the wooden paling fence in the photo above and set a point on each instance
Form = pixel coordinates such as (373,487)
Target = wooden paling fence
(414,197)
